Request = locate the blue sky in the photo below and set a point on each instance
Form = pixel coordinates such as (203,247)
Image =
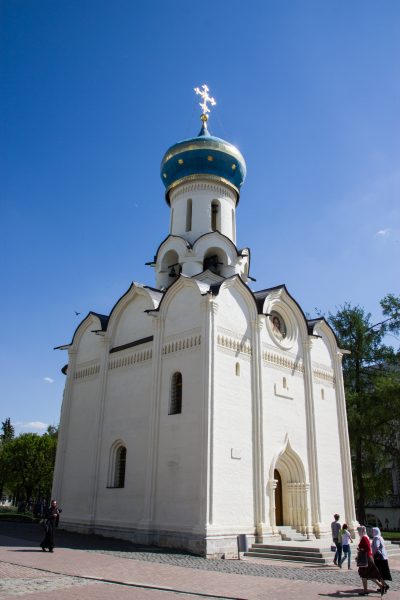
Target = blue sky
(95,91)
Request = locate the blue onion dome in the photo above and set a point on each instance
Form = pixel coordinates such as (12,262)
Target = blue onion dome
(204,155)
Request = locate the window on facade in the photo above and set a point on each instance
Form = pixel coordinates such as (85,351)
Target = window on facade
(322,394)
(189,215)
(120,464)
(172,220)
(175,403)
(237,369)
(233,224)
(215,215)
(284,383)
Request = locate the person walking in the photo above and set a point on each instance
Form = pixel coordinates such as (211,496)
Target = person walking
(368,570)
(345,539)
(51,517)
(380,556)
(336,527)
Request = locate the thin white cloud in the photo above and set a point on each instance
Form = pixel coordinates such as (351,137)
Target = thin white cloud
(38,425)
(383,232)
(48,379)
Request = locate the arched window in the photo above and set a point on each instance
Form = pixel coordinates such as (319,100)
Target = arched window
(237,369)
(189,215)
(215,215)
(175,401)
(120,463)
(116,473)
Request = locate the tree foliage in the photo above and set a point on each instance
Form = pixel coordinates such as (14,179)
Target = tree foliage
(8,431)
(372,384)
(27,463)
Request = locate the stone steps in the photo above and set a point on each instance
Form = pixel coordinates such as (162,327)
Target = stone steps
(306,552)
(281,551)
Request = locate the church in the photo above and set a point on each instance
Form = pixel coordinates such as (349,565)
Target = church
(199,410)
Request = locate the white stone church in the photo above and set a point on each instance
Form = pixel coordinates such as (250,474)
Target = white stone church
(198,410)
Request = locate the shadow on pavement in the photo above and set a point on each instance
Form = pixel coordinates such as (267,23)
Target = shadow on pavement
(32,533)
(344,594)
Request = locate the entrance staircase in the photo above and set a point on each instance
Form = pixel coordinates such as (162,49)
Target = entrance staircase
(294,546)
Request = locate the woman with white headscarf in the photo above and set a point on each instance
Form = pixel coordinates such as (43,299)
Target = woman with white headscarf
(380,556)
(368,570)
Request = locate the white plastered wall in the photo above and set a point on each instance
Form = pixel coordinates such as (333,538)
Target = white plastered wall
(126,416)
(233,509)
(178,493)
(327,432)
(78,460)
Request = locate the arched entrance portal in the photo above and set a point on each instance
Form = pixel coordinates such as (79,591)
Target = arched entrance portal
(289,491)
(278,498)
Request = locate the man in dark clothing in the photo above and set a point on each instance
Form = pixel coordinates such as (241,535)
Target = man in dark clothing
(51,517)
(336,527)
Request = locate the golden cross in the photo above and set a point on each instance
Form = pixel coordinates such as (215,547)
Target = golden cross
(206,98)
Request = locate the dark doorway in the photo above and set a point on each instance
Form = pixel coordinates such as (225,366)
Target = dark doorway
(278,499)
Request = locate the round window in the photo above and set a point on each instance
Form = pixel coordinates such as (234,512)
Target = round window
(278,325)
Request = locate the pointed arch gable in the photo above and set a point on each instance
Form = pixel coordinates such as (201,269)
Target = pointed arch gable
(325,342)
(129,319)
(180,306)
(236,283)
(287,459)
(281,293)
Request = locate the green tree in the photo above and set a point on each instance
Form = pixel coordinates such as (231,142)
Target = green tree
(8,431)
(28,463)
(372,385)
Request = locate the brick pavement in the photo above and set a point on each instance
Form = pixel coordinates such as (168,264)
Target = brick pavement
(28,572)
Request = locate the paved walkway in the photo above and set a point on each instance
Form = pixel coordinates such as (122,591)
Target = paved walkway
(92,567)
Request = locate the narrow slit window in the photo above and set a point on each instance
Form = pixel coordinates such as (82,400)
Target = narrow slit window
(322,394)
(215,215)
(237,369)
(120,464)
(175,403)
(189,215)
(233,224)
(284,383)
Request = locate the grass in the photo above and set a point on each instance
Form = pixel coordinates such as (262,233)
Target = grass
(391,535)
(10,513)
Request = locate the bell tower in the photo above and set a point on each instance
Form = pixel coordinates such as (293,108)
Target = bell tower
(202,176)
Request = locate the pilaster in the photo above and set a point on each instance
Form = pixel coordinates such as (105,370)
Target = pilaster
(64,427)
(99,429)
(154,422)
(318,527)
(210,310)
(257,426)
(345,456)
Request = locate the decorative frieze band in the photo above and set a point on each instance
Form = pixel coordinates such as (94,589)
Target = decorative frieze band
(203,186)
(324,375)
(87,371)
(185,344)
(234,345)
(131,359)
(283,361)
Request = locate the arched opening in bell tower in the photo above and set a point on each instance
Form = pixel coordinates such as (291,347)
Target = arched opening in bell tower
(214,260)
(170,269)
